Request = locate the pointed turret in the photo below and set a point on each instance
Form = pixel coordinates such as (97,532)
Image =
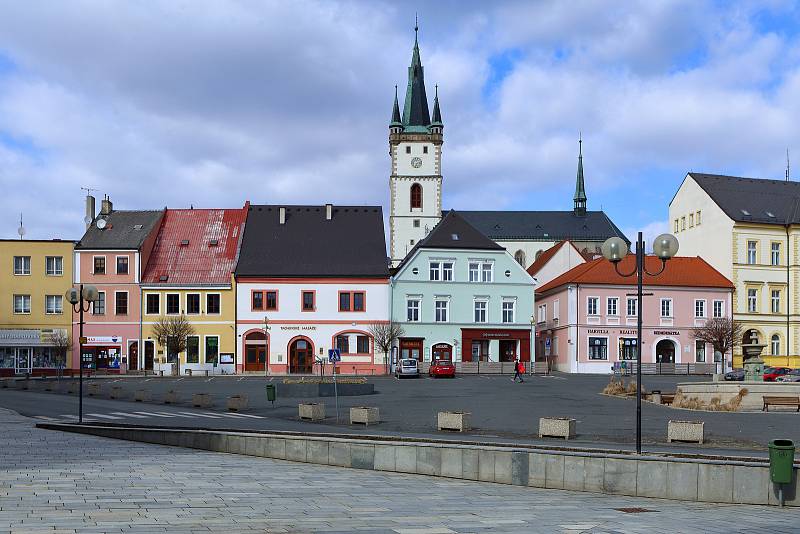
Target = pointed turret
(580,188)
(396,126)
(436,121)
(415,108)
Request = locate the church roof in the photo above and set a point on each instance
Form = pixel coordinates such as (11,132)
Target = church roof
(416,116)
(543,225)
(580,186)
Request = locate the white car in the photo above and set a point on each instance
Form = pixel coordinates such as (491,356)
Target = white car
(406,367)
(791,376)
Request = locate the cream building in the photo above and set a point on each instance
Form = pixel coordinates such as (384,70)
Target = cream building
(749,230)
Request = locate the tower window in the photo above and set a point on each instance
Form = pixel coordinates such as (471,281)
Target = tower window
(416,223)
(416,196)
(424,150)
(408,149)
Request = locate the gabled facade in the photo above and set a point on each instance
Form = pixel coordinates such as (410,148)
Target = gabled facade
(557,260)
(459,295)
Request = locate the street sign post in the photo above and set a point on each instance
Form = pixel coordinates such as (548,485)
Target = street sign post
(335,355)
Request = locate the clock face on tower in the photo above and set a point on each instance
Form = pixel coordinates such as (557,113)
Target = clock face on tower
(416,162)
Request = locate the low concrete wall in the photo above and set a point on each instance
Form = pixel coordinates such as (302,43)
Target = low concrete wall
(299,391)
(705,391)
(684,478)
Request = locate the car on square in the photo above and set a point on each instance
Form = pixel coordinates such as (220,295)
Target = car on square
(772,373)
(407,367)
(442,367)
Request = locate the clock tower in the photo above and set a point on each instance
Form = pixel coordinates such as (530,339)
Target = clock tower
(415,148)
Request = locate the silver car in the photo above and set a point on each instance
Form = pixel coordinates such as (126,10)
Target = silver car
(406,367)
(791,376)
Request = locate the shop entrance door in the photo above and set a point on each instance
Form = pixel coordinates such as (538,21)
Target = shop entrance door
(149,355)
(442,351)
(255,354)
(24,358)
(508,350)
(133,356)
(665,351)
(301,357)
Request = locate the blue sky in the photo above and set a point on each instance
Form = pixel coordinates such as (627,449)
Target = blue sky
(215,103)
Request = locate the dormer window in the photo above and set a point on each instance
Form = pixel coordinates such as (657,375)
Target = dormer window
(213,243)
(185,243)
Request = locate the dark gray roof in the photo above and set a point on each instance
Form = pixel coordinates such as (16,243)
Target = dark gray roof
(543,225)
(351,244)
(753,199)
(124,230)
(453,231)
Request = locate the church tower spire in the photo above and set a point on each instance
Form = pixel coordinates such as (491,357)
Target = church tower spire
(396,126)
(436,121)
(580,188)
(415,108)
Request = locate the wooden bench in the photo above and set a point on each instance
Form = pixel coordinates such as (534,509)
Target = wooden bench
(780,401)
(667,398)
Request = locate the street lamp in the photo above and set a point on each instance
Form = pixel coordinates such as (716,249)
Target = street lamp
(532,351)
(77,297)
(614,250)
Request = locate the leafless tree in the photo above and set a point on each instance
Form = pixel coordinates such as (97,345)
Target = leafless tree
(62,344)
(171,333)
(384,335)
(723,333)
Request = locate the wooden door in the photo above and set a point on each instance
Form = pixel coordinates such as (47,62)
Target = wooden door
(301,357)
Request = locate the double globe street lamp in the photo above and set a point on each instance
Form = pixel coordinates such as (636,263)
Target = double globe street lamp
(615,249)
(81,299)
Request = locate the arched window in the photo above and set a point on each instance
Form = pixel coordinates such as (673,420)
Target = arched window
(520,257)
(775,345)
(538,253)
(416,196)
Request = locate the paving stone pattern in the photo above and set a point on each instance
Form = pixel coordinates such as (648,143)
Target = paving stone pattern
(60,482)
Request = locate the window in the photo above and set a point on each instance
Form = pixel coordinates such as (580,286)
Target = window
(486,272)
(598,348)
(122,264)
(541,313)
(22,265)
(416,225)
(627,348)
(776,300)
(556,305)
(775,254)
(408,149)
(508,311)
(121,303)
(683,223)
(343,343)
(152,304)
(699,308)
(193,349)
(631,307)
(424,149)
(442,307)
(752,300)
(519,256)
(358,301)
(699,351)
(193,303)
(480,311)
(691,220)
(677,226)
(416,195)
(54,265)
(213,304)
(308,301)
(362,344)
(344,301)
(173,304)
(53,304)
(474,272)
(351,301)
(751,252)
(258,300)
(591,306)
(22,303)
(666,307)
(447,271)
(212,348)
(412,310)
(697,218)
(99,265)
(271,300)
(719,309)
(435,271)
(99,306)
(775,345)
(612,306)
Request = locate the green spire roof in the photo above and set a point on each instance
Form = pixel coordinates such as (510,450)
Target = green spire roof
(580,188)
(437,114)
(396,111)
(415,107)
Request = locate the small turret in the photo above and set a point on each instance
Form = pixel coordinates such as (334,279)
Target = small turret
(580,189)
(396,126)
(436,123)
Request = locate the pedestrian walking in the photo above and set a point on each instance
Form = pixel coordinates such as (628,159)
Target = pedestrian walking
(519,368)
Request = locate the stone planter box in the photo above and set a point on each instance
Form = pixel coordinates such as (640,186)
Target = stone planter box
(172,397)
(142,395)
(72,387)
(93,389)
(201,400)
(459,421)
(117,392)
(685,431)
(237,403)
(364,415)
(313,411)
(557,427)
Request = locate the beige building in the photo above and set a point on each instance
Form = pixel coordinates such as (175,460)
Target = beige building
(749,230)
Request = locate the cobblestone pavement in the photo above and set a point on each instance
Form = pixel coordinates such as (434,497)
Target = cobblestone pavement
(59,482)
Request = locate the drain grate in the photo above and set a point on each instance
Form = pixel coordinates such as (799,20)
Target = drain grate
(634,510)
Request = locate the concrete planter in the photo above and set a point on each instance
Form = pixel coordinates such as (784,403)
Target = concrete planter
(685,431)
(557,427)
(312,411)
(172,397)
(93,390)
(142,395)
(237,403)
(201,400)
(72,387)
(117,392)
(364,415)
(459,421)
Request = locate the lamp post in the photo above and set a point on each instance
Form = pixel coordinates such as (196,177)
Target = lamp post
(77,297)
(532,351)
(614,250)
(266,347)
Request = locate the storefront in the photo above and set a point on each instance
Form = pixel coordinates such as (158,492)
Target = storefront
(103,353)
(495,345)
(32,351)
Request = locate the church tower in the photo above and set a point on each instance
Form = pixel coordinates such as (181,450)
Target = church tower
(415,148)
(579,200)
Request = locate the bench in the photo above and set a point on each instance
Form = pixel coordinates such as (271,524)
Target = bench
(780,401)
(667,398)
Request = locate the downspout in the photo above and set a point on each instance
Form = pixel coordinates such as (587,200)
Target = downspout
(391,320)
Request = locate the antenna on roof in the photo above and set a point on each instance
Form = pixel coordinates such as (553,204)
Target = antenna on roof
(787,164)
(21,229)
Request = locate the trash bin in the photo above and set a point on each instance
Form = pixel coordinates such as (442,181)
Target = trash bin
(271,394)
(781,460)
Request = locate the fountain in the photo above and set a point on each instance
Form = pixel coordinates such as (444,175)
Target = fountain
(752,362)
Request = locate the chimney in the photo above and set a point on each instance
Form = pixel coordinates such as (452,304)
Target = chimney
(328,212)
(282,215)
(89,210)
(106,207)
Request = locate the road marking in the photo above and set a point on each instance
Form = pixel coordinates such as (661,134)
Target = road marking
(190,414)
(104,416)
(125,414)
(171,414)
(154,414)
(210,379)
(148,379)
(69,416)
(242,415)
(45,418)
(178,380)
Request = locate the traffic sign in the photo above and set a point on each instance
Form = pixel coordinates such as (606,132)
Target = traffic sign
(334,355)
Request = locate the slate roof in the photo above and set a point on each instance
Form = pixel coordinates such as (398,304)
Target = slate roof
(680,271)
(753,199)
(125,230)
(543,225)
(196,247)
(351,244)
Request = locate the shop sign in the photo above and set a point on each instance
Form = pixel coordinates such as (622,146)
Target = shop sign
(628,332)
(103,339)
(495,335)
(598,331)
(441,346)
(303,327)
(226,357)
(667,332)
(20,336)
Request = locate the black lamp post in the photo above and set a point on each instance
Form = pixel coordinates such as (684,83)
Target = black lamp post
(81,298)
(614,250)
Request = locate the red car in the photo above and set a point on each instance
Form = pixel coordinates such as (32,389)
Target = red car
(771,373)
(442,368)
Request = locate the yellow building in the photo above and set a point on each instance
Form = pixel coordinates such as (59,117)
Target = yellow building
(35,317)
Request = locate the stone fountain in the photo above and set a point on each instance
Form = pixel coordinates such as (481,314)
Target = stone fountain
(753,364)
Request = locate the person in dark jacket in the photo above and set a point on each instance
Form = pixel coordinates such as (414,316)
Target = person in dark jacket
(519,368)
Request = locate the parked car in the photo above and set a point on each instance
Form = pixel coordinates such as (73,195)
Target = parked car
(771,373)
(442,367)
(791,376)
(406,367)
(737,375)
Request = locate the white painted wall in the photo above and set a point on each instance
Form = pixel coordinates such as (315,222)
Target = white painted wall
(566,258)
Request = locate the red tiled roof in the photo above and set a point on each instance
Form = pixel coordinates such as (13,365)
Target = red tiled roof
(680,271)
(544,257)
(184,251)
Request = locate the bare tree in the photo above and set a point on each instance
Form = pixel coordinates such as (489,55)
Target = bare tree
(384,335)
(171,333)
(723,333)
(62,344)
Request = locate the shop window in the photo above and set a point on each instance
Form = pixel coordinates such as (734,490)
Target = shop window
(173,304)
(193,303)
(122,264)
(22,265)
(213,304)
(598,348)
(193,349)
(153,304)
(362,344)
(212,349)
(54,265)
(627,348)
(699,351)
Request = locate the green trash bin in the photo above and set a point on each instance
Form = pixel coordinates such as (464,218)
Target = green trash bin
(271,393)
(781,460)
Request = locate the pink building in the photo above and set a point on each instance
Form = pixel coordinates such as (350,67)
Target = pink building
(586,317)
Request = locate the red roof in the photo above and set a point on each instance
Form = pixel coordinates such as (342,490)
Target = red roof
(545,256)
(680,271)
(196,246)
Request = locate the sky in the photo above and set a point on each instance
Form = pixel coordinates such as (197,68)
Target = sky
(211,103)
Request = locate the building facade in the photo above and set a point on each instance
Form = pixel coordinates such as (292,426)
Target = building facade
(587,317)
(459,295)
(557,260)
(35,322)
